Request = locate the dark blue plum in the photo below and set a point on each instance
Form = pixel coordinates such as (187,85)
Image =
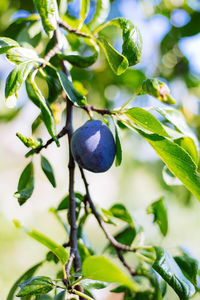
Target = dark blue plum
(93,146)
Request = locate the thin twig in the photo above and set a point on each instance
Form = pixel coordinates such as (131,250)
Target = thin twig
(50,141)
(69,264)
(112,240)
(126,265)
(101,111)
(50,54)
(118,246)
(72,30)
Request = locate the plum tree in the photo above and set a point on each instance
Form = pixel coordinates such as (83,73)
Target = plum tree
(53,52)
(93,146)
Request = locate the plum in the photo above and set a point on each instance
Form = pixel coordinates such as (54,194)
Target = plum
(93,146)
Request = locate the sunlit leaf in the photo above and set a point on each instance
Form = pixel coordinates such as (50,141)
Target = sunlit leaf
(119,211)
(85,5)
(118,157)
(102,269)
(169,270)
(20,55)
(117,61)
(81,61)
(38,99)
(159,210)
(6,44)
(36,286)
(178,161)
(17,77)
(25,185)
(146,120)
(69,89)
(101,13)
(58,250)
(189,266)
(187,143)
(48,170)
(48,13)
(28,274)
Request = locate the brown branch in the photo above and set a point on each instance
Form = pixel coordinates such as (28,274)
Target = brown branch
(101,111)
(112,240)
(118,246)
(72,200)
(126,265)
(50,54)
(50,141)
(69,264)
(64,25)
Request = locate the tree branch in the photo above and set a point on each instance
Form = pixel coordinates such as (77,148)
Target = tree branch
(101,111)
(112,240)
(64,25)
(72,200)
(50,141)
(118,246)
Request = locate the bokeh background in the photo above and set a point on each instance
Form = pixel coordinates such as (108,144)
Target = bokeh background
(171,43)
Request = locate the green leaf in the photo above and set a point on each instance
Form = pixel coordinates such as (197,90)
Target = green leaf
(187,143)
(48,170)
(168,269)
(38,99)
(146,120)
(132,40)
(93,284)
(58,250)
(36,123)
(102,269)
(118,157)
(20,55)
(28,274)
(72,94)
(6,44)
(159,210)
(189,266)
(126,237)
(48,13)
(158,89)
(64,204)
(85,5)
(169,178)
(61,296)
(117,61)
(176,118)
(178,161)
(101,13)
(29,142)
(25,185)
(36,286)
(119,211)
(82,61)
(41,297)
(17,77)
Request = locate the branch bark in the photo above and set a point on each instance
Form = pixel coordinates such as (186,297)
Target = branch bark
(118,246)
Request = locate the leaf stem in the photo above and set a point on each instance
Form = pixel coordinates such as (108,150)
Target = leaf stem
(73,30)
(131,99)
(82,295)
(148,260)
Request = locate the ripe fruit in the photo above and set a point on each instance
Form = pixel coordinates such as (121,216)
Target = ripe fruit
(93,146)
